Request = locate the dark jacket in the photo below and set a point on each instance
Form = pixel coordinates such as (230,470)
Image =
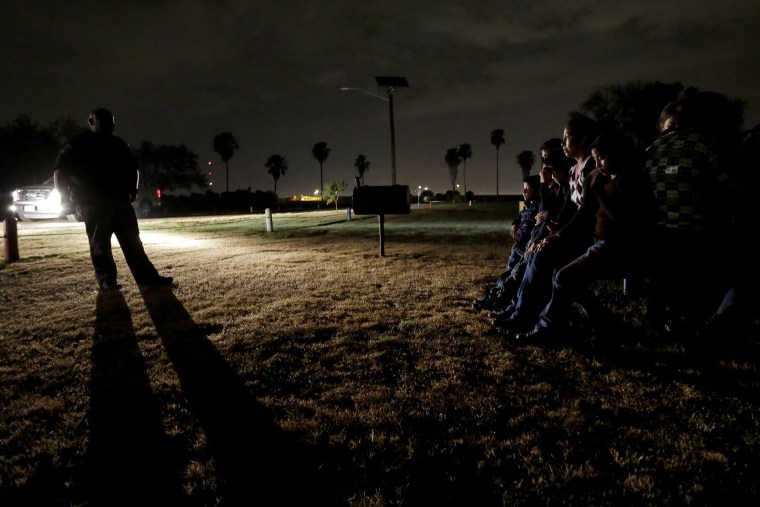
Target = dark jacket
(559,207)
(98,167)
(525,221)
(627,208)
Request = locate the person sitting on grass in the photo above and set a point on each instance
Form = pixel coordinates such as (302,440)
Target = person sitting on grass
(690,166)
(551,196)
(522,226)
(556,208)
(566,241)
(624,221)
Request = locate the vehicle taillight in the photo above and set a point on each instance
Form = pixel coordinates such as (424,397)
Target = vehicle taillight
(158,193)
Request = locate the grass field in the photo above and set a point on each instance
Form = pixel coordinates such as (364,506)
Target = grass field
(299,367)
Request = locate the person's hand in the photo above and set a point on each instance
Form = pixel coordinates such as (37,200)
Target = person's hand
(532,248)
(548,239)
(541,216)
(133,196)
(513,231)
(553,226)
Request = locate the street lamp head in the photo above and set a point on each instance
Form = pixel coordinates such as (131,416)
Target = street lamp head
(347,88)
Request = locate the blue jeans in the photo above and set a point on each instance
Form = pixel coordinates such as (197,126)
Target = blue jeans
(517,253)
(515,258)
(536,287)
(571,283)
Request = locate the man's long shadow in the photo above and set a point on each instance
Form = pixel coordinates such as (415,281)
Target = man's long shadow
(129,458)
(256,461)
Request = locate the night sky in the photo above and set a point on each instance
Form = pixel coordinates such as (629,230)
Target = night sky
(181,72)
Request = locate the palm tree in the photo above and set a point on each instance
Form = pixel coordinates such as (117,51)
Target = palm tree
(320,152)
(497,139)
(362,165)
(225,145)
(452,160)
(464,152)
(277,165)
(526,159)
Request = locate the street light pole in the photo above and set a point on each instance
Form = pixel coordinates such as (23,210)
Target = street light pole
(393,137)
(391,82)
(389,100)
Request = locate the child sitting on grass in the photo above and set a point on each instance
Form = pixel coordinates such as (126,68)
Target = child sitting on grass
(521,229)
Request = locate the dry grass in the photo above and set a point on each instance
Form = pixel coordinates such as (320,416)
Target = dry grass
(299,367)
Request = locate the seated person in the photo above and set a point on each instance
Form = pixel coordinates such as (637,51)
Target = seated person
(567,239)
(522,226)
(555,205)
(625,217)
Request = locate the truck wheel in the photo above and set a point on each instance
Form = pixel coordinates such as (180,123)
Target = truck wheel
(145,209)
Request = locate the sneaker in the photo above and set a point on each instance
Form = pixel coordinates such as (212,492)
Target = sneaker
(537,335)
(109,285)
(485,303)
(491,300)
(507,323)
(158,281)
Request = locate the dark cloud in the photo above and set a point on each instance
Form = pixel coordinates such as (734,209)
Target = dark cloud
(269,72)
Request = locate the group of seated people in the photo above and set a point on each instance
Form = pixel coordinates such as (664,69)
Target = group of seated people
(602,209)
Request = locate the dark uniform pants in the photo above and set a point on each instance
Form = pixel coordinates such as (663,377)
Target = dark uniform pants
(105,219)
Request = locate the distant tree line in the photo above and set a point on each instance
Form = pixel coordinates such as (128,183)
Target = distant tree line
(28,150)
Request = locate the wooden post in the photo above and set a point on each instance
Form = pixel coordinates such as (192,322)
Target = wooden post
(11,239)
(381,220)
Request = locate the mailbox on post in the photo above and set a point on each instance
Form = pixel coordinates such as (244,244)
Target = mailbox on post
(381,201)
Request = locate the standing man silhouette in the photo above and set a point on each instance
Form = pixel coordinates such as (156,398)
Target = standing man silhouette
(98,173)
